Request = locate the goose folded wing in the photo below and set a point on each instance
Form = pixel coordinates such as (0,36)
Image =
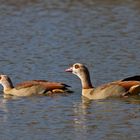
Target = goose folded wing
(47,85)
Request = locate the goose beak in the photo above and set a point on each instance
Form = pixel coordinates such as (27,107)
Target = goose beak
(69,70)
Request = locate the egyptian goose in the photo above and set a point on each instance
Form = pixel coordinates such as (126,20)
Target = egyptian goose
(124,88)
(32,87)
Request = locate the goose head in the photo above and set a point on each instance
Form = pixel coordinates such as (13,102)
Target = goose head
(77,69)
(3,78)
(82,72)
(5,81)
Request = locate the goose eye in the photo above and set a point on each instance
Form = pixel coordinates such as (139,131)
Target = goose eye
(0,77)
(76,66)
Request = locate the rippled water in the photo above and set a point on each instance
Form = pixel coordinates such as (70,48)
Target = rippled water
(40,38)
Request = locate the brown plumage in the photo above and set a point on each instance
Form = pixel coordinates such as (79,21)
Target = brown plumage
(33,87)
(122,88)
(46,84)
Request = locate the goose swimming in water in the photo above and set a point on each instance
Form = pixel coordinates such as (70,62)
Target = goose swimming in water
(33,87)
(122,88)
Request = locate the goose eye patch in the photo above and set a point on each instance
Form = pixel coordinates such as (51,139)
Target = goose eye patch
(76,66)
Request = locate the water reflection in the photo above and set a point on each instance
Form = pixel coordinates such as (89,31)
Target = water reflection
(40,38)
(133,100)
(107,119)
(3,110)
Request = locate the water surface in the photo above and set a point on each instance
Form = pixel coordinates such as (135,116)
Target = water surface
(41,38)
